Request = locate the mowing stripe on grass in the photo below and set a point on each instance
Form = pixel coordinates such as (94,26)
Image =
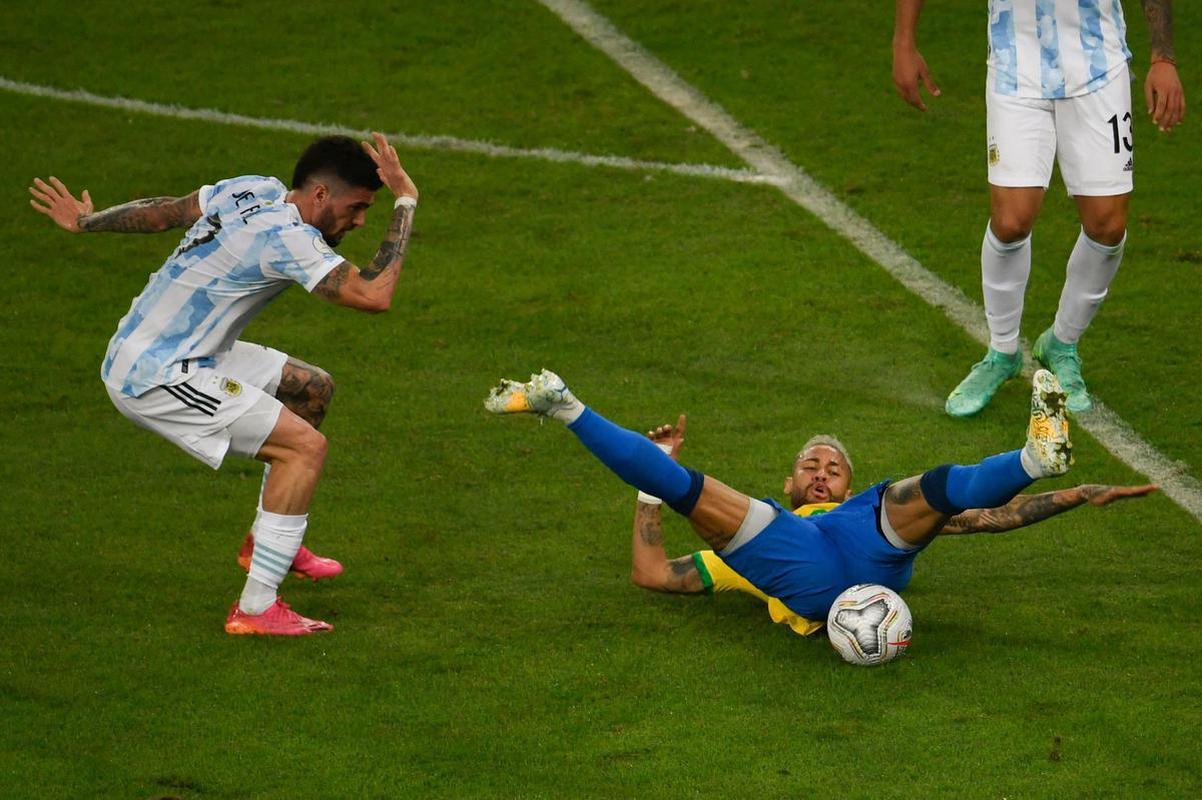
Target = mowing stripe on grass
(1106,426)
(439,143)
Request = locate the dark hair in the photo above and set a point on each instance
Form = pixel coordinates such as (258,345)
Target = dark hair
(339,156)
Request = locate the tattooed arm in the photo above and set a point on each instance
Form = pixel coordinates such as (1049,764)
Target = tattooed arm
(370,288)
(151,215)
(649,565)
(1162,90)
(1029,508)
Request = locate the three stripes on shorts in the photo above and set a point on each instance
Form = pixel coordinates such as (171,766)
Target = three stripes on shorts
(194,398)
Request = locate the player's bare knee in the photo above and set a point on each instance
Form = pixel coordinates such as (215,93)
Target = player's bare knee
(312,448)
(1108,230)
(1011,226)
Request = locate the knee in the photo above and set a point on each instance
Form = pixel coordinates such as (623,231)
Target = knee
(1107,230)
(312,448)
(1011,226)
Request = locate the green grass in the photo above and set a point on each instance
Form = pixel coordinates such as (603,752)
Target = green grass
(488,643)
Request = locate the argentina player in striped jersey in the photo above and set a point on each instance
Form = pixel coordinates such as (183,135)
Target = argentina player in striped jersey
(1057,90)
(175,365)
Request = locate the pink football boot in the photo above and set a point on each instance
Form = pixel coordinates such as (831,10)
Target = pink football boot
(307,564)
(277,620)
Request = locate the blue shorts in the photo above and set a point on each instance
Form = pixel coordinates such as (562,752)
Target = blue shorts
(805,562)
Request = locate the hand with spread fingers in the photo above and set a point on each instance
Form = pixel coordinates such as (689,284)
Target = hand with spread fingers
(672,435)
(389,167)
(56,201)
(910,69)
(1099,495)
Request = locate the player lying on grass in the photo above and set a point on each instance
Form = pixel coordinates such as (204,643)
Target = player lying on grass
(821,479)
(175,365)
(873,537)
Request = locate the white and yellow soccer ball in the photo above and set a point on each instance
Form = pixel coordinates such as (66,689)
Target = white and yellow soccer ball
(869,624)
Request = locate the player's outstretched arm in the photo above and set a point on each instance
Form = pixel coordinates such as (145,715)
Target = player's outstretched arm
(1030,508)
(649,564)
(150,215)
(370,288)
(1162,90)
(909,67)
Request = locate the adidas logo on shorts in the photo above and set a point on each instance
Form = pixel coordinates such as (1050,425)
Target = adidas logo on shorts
(1130,164)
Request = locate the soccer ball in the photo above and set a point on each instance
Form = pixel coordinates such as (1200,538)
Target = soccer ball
(869,624)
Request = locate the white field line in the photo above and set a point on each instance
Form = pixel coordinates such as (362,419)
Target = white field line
(438,143)
(1106,426)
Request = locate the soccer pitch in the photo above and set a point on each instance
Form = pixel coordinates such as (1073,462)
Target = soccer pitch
(488,642)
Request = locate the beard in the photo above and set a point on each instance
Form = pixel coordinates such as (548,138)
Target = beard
(325,225)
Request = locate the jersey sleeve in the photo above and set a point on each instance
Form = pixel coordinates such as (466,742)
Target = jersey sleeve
(298,253)
(717,576)
(203,196)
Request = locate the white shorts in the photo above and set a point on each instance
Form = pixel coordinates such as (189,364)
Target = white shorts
(1089,136)
(228,407)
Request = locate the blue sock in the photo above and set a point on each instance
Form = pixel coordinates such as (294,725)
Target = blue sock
(994,482)
(633,458)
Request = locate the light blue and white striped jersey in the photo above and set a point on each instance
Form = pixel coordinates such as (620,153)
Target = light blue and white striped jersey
(247,247)
(1055,48)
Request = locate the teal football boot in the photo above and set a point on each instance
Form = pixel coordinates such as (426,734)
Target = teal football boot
(1063,360)
(975,391)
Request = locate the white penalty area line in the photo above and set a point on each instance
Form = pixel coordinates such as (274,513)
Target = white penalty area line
(1102,423)
(436,143)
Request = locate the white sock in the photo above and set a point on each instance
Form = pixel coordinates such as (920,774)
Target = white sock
(1091,268)
(1030,463)
(1005,268)
(277,538)
(568,411)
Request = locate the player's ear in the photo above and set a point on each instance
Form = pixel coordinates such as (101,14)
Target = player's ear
(788,485)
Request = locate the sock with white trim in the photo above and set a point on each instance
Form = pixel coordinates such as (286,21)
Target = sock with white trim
(1005,268)
(277,538)
(1091,268)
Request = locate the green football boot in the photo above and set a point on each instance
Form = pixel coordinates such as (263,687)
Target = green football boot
(975,391)
(1063,360)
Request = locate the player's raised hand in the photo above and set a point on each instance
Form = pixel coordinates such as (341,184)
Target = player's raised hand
(1102,495)
(1164,96)
(909,68)
(56,201)
(672,435)
(388,167)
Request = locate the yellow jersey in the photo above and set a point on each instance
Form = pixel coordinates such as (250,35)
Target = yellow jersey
(717,576)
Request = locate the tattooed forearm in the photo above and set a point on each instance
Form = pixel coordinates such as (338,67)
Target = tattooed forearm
(151,215)
(1019,512)
(1159,14)
(391,253)
(648,522)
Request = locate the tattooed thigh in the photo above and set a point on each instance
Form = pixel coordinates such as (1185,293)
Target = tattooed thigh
(904,491)
(306,390)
